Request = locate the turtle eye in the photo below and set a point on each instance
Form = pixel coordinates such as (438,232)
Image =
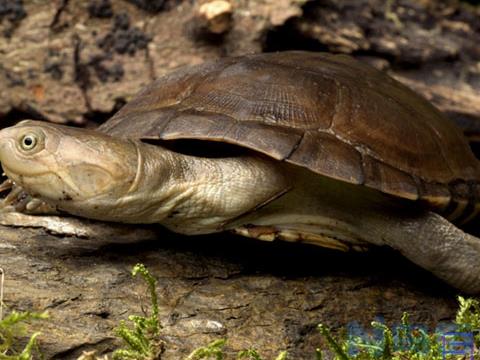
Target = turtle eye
(28,142)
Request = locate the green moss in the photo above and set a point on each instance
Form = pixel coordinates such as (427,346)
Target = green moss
(141,335)
(142,338)
(214,350)
(408,342)
(12,328)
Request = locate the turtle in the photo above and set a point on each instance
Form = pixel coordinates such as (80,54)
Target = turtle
(305,147)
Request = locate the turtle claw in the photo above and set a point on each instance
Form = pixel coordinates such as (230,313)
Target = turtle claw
(15,196)
(37,206)
(6,185)
(17,200)
(7,204)
(33,205)
(21,201)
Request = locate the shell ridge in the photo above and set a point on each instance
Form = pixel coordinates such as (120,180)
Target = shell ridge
(295,147)
(328,113)
(336,109)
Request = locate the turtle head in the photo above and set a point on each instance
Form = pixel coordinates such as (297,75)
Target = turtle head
(63,165)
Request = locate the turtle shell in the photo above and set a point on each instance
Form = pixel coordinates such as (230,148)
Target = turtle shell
(329,113)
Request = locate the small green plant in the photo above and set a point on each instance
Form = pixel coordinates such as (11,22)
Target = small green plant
(252,354)
(12,327)
(142,338)
(142,341)
(468,317)
(214,350)
(403,342)
(406,342)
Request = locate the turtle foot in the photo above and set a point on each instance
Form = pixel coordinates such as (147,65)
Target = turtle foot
(294,233)
(17,200)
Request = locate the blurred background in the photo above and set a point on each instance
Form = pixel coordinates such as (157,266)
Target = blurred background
(77,62)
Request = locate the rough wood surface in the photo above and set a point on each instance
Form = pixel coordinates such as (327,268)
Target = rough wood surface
(98,60)
(78,61)
(270,296)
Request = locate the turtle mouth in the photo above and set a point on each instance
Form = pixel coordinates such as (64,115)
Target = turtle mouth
(32,184)
(16,175)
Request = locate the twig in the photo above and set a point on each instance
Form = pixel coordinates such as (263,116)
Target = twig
(2,278)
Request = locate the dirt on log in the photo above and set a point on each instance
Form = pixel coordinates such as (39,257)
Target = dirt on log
(77,62)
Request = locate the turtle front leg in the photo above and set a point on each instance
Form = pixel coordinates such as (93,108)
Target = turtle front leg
(437,245)
(18,200)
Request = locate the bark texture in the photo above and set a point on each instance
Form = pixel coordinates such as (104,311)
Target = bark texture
(77,62)
(270,296)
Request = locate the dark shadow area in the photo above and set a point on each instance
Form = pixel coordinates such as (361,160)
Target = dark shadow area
(470,125)
(16,115)
(285,38)
(202,148)
(381,266)
(96,118)
(475,146)
(288,37)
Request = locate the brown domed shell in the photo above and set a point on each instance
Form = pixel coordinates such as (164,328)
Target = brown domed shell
(329,113)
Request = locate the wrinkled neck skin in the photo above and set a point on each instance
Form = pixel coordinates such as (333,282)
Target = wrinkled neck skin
(189,195)
(97,176)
